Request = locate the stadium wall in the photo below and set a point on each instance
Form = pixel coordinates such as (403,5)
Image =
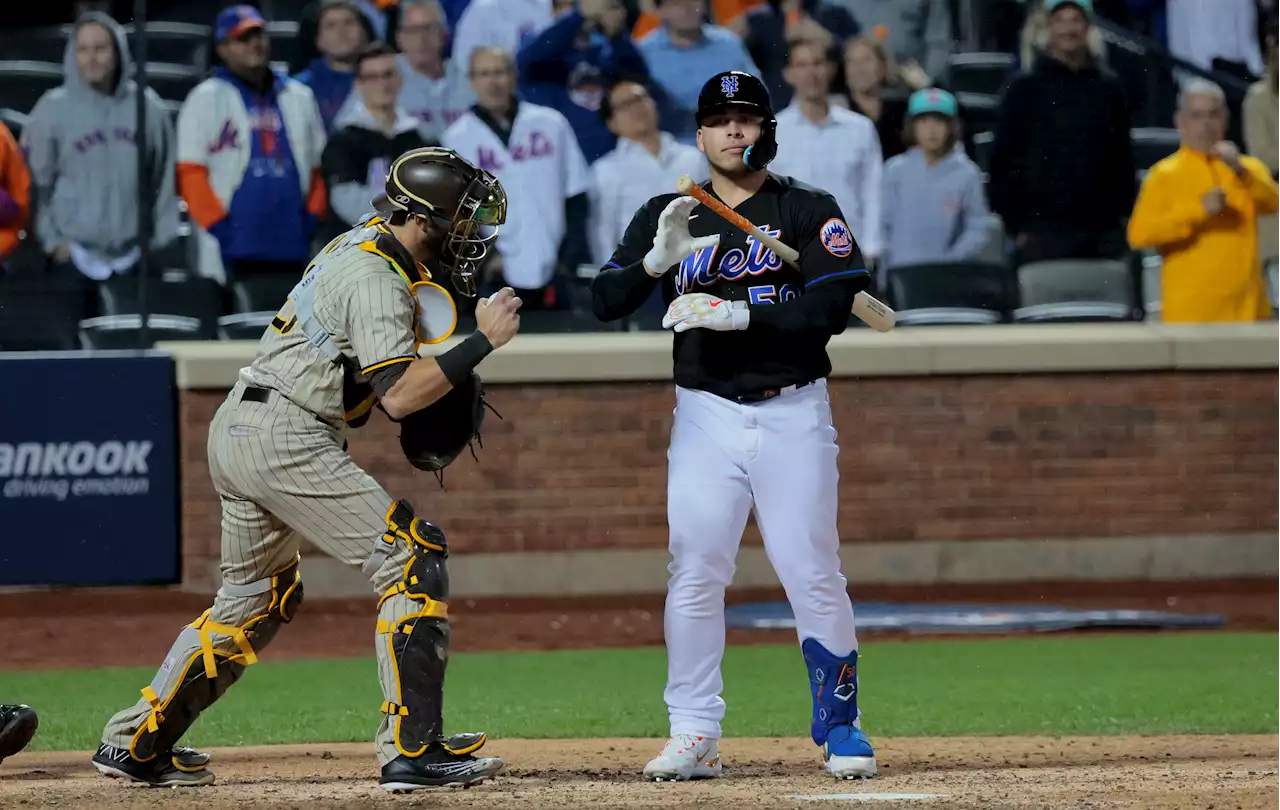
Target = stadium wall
(968,454)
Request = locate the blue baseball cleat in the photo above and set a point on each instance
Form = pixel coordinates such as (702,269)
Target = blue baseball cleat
(847,754)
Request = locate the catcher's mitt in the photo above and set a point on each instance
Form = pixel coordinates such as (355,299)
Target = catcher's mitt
(436,435)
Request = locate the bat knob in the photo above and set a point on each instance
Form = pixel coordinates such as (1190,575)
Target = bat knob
(683,183)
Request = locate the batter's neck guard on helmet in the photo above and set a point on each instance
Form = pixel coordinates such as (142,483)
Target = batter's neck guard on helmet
(734,89)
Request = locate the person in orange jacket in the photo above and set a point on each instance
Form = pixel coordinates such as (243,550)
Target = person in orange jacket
(1199,209)
(15,193)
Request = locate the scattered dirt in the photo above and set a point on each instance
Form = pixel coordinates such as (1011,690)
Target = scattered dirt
(997,773)
(38,636)
(988,773)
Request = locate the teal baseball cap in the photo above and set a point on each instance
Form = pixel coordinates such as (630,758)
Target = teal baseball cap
(932,100)
(1084,5)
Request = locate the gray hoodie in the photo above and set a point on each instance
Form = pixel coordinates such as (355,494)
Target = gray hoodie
(80,148)
(932,213)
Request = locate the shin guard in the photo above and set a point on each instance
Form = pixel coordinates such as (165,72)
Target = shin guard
(208,656)
(833,683)
(413,635)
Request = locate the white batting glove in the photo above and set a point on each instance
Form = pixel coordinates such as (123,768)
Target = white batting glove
(701,310)
(672,243)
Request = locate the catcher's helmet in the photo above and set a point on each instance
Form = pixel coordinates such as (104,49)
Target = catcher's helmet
(466,203)
(735,89)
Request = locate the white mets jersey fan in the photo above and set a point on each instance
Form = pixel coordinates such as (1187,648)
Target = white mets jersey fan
(541,165)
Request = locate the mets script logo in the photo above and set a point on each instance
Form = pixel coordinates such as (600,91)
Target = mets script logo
(836,238)
(701,268)
(729,86)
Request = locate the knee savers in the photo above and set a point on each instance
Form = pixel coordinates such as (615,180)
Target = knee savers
(833,683)
(413,623)
(209,656)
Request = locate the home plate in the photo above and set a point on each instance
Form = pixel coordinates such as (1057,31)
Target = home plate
(867,797)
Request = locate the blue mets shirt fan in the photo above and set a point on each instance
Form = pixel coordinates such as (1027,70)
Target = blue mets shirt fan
(248,162)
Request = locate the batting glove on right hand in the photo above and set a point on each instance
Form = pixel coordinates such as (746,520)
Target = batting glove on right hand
(672,243)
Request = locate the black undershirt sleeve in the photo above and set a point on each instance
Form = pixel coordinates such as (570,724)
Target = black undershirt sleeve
(833,269)
(824,308)
(622,285)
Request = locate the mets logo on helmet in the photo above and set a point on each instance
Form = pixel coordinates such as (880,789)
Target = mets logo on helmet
(836,238)
(729,86)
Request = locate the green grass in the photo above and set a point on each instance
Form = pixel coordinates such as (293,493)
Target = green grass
(1116,684)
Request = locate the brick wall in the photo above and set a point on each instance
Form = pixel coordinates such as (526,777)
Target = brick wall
(582,466)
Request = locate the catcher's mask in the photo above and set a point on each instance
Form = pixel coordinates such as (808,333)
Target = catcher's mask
(465,206)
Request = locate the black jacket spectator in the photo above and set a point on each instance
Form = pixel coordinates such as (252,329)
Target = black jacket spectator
(769,26)
(1061,165)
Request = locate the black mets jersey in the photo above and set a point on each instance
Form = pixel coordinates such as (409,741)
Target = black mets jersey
(794,312)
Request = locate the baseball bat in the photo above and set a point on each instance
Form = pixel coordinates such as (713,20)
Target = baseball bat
(872,312)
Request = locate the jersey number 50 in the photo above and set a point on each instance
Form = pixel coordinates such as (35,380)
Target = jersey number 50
(769,294)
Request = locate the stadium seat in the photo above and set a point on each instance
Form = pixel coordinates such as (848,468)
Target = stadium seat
(22,83)
(192,297)
(172,82)
(952,293)
(262,293)
(40,313)
(245,325)
(1150,266)
(171,108)
(1272,274)
(993,250)
(982,144)
(26,260)
(176,255)
(549,322)
(286,46)
(979,112)
(43,44)
(114,332)
(176,43)
(1152,145)
(1076,290)
(643,322)
(984,73)
(15,121)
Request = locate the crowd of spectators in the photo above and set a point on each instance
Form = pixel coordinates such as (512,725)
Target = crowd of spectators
(584,109)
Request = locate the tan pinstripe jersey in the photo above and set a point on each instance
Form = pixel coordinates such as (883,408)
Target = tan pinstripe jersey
(363,299)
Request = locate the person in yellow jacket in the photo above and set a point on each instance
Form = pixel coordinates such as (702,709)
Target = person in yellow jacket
(1199,209)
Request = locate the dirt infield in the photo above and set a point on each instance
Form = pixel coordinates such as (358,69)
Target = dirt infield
(1138,773)
(38,636)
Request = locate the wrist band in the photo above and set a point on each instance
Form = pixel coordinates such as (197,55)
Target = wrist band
(458,363)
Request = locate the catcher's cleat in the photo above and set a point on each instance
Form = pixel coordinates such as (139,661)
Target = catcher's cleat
(439,767)
(158,772)
(17,726)
(467,742)
(189,759)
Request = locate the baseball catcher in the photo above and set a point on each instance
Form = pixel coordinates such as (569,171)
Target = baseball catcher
(345,341)
(18,723)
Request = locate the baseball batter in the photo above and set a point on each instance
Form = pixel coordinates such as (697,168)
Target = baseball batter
(752,419)
(348,335)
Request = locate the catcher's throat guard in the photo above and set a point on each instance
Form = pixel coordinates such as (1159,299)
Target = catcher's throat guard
(437,314)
